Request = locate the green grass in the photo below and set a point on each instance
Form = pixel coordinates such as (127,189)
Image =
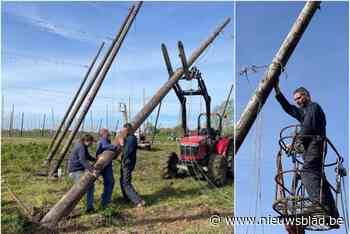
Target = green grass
(178,205)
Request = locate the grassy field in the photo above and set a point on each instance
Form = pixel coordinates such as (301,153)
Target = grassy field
(173,206)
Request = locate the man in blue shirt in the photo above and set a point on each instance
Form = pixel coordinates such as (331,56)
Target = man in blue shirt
(78,163)
(127,166)
(313,133)
(107,172)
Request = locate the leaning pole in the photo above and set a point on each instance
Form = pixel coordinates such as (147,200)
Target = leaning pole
(69,110)
(83,96)
(273,72)
(66,204)
(94,90)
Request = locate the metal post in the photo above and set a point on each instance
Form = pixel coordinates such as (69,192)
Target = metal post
(22,122)
(71,112)
(280,60)
(43,126)
(99,125)
(107,116)
(106,66)
(2,113)
(143,103)
(129,107)
(91,121)
(52,122)
(11,119)
(66,204)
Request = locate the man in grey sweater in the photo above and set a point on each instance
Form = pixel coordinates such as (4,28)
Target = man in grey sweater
(78,163)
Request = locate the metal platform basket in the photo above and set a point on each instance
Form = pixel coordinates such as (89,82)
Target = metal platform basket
(292,201)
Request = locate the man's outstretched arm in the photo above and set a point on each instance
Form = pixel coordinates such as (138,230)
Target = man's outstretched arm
(292,110)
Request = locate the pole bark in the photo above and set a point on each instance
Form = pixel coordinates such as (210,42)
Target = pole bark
(71,198)
(71,112)
(273,72)
(102,75)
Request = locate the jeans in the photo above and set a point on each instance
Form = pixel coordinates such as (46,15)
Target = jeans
(128,190)
(76,175)
(108,184)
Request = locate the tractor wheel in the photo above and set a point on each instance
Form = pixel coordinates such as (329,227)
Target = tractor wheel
(169,166)
(217,170)
(230,161)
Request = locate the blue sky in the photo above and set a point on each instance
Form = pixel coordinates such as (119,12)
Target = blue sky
(319,63)
(46,46)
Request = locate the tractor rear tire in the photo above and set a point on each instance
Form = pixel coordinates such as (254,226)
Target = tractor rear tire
(217,170)
(169,168)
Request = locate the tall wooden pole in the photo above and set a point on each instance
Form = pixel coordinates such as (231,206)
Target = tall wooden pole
(273,72)
(68,202)
(86,92)
(72,110)
(102,75)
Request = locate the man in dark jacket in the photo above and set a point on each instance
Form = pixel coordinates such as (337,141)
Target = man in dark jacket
(313,128)
(78,163)
(107,172)
(127,166)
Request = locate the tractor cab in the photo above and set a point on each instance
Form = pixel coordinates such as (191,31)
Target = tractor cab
(215,127)
(199,144)
(291,199)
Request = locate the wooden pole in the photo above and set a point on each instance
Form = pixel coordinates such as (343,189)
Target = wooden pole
(102,75)
(273,72)
(66,204)
(72,110)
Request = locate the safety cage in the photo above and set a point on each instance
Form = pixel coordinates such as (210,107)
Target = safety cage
(292,200)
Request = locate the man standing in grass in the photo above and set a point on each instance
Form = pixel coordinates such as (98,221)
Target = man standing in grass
(127,166)
(107,172)
(78,163)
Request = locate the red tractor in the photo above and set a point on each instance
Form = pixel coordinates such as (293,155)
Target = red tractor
(204,153)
